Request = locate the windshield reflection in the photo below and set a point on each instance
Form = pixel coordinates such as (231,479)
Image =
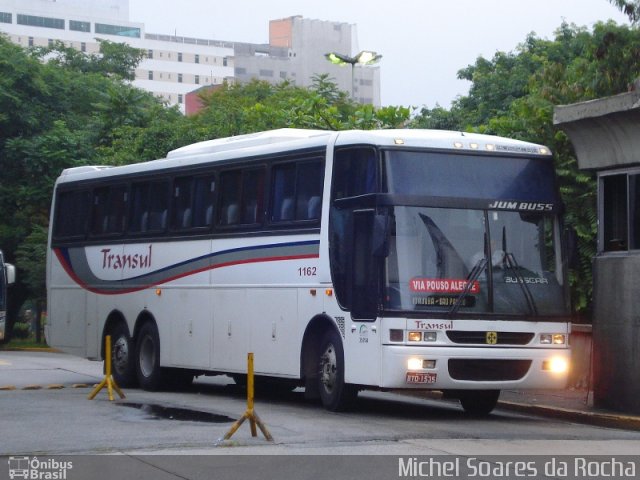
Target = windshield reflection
(472,261)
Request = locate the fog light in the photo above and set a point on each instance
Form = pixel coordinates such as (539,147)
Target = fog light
(396,335)
(414,364)
(556,365)
(415,336)
(428,364)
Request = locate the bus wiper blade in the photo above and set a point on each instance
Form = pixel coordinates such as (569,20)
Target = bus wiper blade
(475,272)
(513,266)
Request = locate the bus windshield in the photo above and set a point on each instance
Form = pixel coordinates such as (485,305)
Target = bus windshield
(473,234)
(474,261)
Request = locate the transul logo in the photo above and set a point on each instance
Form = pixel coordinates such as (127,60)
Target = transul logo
(33,468)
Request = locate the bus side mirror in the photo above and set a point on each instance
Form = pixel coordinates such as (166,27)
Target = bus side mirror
(380,239)
(571,241)
(11,273)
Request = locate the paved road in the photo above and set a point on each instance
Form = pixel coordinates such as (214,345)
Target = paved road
(60,422)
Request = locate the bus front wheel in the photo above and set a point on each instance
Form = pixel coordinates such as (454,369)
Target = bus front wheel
(148,357)
(335,394)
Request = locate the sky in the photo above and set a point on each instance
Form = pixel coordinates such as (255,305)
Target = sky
(423,43)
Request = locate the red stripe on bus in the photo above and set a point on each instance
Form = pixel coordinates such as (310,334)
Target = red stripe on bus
(74,277)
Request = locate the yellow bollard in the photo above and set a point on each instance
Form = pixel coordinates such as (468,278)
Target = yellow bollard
(108,380)
(250,413)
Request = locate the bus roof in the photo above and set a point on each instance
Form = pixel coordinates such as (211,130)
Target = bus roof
(280,136)
(285,139)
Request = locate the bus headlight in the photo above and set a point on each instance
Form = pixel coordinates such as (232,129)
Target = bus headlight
(556,365)
(414,364)
(420,364)
(553,338)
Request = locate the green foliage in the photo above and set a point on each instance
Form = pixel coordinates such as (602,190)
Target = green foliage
(255,106)
(21,330)
(58,108)
(631,9)
(61,108)
(117,60)
(514,95)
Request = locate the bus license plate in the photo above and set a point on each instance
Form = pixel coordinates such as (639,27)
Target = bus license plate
(416,377)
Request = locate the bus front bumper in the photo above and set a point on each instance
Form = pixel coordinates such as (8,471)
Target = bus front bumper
(444,368)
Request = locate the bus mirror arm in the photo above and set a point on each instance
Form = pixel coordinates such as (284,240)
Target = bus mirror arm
(380,237)
(11,273)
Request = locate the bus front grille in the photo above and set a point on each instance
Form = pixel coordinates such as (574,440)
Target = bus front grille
(480,370)
(480,338)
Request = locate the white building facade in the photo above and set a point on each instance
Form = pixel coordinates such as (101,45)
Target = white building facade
(173,67)
(176,65)
(296,52)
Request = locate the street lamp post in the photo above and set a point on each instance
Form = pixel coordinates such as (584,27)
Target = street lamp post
(365,57)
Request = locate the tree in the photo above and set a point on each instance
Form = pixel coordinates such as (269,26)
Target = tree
(514,94)
(57,108)
(631,9)
(255,106)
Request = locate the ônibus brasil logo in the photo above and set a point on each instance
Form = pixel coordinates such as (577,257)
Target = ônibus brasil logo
(34,469)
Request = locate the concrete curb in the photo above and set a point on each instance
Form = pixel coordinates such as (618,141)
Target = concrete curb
(600,419)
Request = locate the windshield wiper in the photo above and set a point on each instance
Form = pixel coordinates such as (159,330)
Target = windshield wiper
(475,272)
(511,263)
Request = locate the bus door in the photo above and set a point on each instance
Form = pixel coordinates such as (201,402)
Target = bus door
(369,246)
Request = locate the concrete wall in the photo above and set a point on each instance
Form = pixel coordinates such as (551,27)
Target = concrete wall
(581,346)
(616,333)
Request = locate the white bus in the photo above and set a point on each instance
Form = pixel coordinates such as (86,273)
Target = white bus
(7,277)
(397,259)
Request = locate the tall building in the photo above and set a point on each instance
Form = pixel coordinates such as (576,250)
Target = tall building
(296,52)
(176,65)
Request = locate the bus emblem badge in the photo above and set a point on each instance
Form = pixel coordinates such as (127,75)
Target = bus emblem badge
(491,338)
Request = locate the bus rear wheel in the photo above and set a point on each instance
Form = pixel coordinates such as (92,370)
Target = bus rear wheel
(150,375)
(122,356)
(335,394)
(479,403)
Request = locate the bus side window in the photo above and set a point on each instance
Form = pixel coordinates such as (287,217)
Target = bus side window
(297,191)
(149,207)
(354,173)
(109,210)
(252,196)
(309,182)
(181,212)
(231,186)
(72,214)
(283,192)
(242,193)
(203,201)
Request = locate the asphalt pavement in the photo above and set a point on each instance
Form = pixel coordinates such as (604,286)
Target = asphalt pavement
(574,405)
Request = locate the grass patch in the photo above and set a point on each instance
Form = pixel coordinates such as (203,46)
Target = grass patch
(21,343)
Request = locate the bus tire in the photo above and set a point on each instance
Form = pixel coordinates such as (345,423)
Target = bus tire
(150,375)
(335,394)
(123,356)
(479,403)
